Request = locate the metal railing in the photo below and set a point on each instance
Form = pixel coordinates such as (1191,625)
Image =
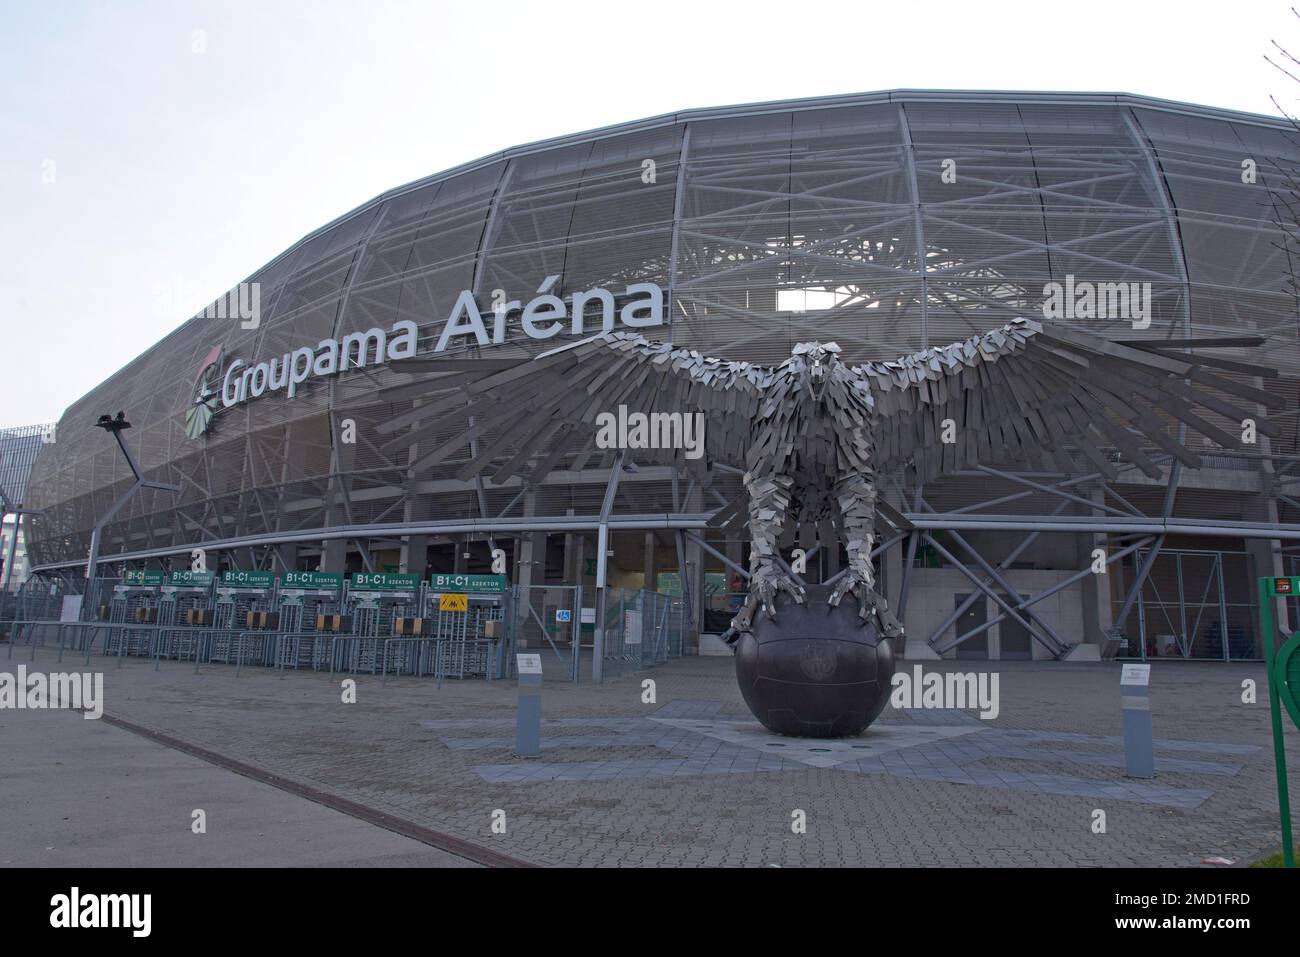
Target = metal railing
(440,658)
(443,658)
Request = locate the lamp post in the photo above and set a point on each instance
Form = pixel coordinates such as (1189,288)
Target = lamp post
(115,425)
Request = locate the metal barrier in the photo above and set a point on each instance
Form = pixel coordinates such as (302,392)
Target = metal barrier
(357,652)
(470,658)
(443,657)
(299,648)
(413,656)
(119,640)
(440,658)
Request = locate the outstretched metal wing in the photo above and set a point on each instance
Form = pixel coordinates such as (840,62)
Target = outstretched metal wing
(1034,388)
(544,408)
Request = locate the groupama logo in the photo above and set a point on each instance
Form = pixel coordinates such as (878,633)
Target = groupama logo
(203,401)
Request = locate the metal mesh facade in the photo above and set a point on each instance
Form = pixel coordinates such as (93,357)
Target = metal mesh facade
(766,224)
(19,448)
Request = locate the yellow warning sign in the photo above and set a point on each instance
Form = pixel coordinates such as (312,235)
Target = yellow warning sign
(453,602)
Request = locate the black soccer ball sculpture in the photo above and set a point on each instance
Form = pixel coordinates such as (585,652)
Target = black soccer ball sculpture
(815,671)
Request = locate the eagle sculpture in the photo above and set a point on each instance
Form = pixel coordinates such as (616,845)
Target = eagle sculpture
(813,433)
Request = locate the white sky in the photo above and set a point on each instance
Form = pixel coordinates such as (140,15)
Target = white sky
(177,174)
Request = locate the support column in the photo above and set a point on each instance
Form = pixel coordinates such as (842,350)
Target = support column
(909,153)
(649,571)
(828,553)
(1095,589)
(415,555)
(891,564)
(525,574)
(693,575)
(334,555)
(735,552)
(572,571)
(602,567)
(286,558)
(1266,556)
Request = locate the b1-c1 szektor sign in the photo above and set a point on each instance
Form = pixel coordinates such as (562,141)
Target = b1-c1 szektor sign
(546,315)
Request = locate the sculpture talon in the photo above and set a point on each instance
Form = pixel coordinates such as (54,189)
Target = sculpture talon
(861,587)
(765,584)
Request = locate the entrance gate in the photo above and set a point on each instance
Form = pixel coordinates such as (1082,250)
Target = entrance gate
(642,628)
(546,619)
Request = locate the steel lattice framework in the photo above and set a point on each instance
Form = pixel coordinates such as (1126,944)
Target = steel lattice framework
(767,225)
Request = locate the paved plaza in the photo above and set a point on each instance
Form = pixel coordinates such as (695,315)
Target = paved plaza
(689,779)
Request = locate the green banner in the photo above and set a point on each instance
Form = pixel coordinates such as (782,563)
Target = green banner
(312,580)
(140,576)
(385,581)
(248,579)
(469,584)
(188,577)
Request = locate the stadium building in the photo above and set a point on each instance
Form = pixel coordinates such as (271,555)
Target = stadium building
(18,450)
(886,222)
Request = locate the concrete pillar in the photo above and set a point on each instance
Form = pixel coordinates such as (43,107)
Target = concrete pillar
(694,573)
(1266,556)
(286,558)
(523,576)
(891,561)
(334,555)
(571,572)
(828,552)
(735,551)
(650,542)
(1095,590)
(580,564)
(415,554)
(525,570)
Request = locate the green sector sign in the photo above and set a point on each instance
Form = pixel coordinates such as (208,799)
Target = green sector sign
(312,580)
(471,584)
(248,579)
(139,576)
(385,581)
(188,577)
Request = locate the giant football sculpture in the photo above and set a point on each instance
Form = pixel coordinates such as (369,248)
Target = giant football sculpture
(813,434)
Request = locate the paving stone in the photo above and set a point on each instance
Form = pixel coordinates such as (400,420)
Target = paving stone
(621,783)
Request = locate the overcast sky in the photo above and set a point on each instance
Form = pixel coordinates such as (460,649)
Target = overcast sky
(146,168)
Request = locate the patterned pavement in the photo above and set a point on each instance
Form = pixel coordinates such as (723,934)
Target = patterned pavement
(704,743)
(692,780)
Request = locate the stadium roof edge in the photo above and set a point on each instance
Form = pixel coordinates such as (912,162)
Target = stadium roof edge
(807,103)
(747,109)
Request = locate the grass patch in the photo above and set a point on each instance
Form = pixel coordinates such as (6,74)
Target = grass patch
(1273,860)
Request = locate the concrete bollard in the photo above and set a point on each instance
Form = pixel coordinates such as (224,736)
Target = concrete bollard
(1139,750)
(528,718)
